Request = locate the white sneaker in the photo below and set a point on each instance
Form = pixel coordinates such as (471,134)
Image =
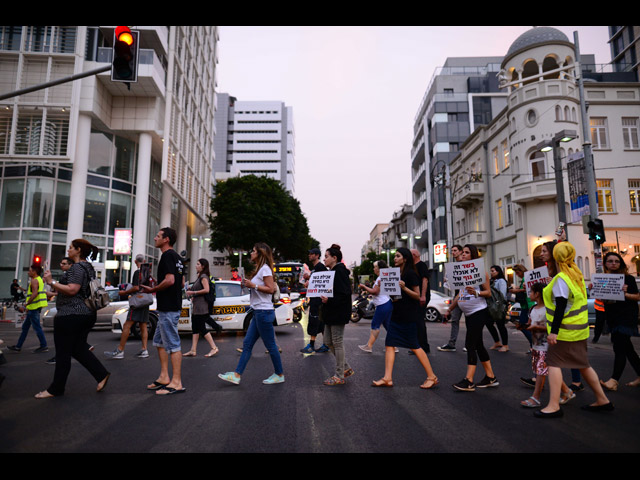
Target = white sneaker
(365,348)
(143,354)
(115,354)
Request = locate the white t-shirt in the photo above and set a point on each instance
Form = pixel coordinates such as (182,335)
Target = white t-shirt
(261,300)
(561,289)
(470,303)
(381,298)
(538,317)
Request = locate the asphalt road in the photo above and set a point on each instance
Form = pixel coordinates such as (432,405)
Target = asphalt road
(302,415)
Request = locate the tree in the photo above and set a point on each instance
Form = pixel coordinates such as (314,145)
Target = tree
(250,209)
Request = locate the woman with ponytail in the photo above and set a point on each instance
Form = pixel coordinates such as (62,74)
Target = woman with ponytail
(74,320)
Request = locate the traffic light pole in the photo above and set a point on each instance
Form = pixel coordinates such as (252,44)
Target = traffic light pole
(56,82)
(590,174)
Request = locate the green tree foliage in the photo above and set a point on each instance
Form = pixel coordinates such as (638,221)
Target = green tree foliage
(250,209)
(366,267)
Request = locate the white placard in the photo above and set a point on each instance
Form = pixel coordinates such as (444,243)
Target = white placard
(607,286)
(537,275)
(321,284)
(390,281)
(465,274)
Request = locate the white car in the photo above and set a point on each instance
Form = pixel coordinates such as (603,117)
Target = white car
(438,306)
(103,317)
(231,311)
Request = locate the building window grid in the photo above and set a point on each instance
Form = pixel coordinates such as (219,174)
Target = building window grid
(599,134)
(630,133)
(634,195)
(606,198)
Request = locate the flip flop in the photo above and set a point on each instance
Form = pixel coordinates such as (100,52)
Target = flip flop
(170,390)
(156,385)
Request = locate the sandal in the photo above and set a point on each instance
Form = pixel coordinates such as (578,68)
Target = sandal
(212,352)
(190,353)
(611,384)
(530,402)
(382,383)
(43,394)
(103,383)
(633,383)
(334,381)
(565,397)
(430,383)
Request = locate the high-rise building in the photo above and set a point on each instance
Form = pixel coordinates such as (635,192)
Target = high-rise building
(255,138)
(625,49)
(89,156)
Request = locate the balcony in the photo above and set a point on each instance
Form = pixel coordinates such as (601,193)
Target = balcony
(468,194)
(475,237)
(541,188)
(151,75)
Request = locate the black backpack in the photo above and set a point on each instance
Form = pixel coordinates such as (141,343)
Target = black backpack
(497,304)
(210,297)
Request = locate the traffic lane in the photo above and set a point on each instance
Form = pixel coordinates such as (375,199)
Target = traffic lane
(301,415)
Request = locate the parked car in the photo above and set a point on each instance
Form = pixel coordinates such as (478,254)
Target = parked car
(438,306)
(232,310)
(103,316)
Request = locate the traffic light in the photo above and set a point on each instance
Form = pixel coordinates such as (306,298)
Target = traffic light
(596,231)
(37,260)
(125,55)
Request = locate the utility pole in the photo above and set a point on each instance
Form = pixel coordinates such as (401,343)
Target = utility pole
(590,174)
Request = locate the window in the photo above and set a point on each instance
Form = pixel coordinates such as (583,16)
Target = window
(537,165)
(505,154)
(599,133)
(630,133)
(605,196)
(499,213)
(509,209)
(634,195)
(496,166)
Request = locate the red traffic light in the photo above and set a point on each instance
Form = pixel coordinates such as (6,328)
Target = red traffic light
(37,260)
(123,34)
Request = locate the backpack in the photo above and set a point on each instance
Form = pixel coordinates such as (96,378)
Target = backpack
(97,297)
(497,304)
(210,296)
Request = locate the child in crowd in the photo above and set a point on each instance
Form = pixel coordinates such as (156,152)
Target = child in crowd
(538,328)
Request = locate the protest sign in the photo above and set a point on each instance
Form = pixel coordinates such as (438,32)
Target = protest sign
(321,284)
(537,275)
(607,286)
(465,274)
(390,281)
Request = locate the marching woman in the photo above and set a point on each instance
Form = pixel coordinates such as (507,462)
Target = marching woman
(336,313)
(565,299)
(262,287)
(383,305)
(74,320)
(403,327)
(499,283)
(472,302)
(622,319)
(200,312)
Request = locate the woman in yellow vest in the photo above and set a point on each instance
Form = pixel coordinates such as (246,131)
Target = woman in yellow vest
(565,299)
(36,300)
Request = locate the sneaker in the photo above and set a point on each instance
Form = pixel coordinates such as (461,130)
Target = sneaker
(488,382)
(41,349)
(307,349)
(447,348)
(115,354)
(528,381)
(274,379)
(365,348)
(14,348)
(143,353)
(465,385)
(51,361)
(229,377)
(322,349)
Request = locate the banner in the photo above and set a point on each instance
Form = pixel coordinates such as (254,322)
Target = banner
(465,274)
(390,281)
(321,284)
(537,275)
(607,286)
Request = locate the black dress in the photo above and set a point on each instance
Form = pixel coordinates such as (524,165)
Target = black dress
(403,327)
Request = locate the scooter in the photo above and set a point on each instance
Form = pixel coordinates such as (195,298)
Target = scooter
(362,307)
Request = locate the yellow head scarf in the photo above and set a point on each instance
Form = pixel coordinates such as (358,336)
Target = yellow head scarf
(564,253)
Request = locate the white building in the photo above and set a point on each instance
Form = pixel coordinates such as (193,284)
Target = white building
(88,156)
(503,187)
(255,138)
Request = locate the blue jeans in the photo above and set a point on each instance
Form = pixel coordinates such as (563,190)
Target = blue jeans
(261,326)
(32,319)
(166,335)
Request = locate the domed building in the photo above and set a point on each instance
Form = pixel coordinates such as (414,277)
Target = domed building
(504,190)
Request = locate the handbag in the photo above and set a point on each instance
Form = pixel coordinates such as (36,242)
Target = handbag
(140,300)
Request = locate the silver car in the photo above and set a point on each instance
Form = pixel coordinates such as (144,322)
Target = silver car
(103,316)
(438,306)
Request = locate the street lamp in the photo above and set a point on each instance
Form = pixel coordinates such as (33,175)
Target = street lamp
(554,145)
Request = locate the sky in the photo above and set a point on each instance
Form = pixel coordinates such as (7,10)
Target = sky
(355,92)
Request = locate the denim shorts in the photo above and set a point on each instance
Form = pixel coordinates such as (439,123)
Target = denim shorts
(166,335)
(382,315)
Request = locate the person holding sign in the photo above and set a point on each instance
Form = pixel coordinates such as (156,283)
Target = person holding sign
(472,301)
(262,287)
(565,299)
(622,318)
(383,304)
(403,327)
(336,313)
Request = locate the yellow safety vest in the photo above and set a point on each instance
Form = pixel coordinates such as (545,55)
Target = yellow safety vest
(41,299)
(575,324)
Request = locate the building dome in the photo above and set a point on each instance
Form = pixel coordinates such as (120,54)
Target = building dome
(536,36)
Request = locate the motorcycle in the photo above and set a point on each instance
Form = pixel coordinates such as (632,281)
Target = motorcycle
(362,307)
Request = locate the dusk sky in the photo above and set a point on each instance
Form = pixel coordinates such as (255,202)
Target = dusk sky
(355,92)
